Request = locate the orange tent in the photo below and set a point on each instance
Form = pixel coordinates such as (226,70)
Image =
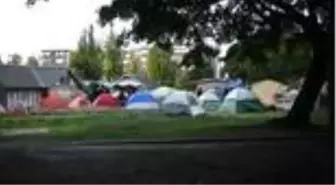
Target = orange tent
(106,100)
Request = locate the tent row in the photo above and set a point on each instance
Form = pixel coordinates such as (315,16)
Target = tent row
(178,102)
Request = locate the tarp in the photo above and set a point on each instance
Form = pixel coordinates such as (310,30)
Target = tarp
(266,91)
(142,101)
(181,103)
(161,92)
(209,101)
(241,100)
(79,101)
(106,100)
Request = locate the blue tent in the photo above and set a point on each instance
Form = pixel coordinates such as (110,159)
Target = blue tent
(142,101)
(141,97)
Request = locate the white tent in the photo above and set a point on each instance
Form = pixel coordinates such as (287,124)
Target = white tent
(182,102)
(2,109)
(208,96)
(241,100)
(161,92)
(130,82)
(240,94)
(209,101)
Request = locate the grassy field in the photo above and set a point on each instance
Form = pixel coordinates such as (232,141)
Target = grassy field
(137,125)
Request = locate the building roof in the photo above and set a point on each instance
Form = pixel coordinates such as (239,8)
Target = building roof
(18,77)
(50,76)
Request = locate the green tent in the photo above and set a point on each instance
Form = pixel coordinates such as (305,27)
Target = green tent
(241,100)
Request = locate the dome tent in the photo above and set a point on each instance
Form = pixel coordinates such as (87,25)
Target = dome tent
(2,109)
(142,101)
(181,103)
(79,101)
(209,101)
(161,92)
(266,91)
(241,100)
(106,100)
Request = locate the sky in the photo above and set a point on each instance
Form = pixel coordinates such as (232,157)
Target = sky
(56,24)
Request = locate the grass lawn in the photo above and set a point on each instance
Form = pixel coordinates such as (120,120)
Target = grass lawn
(137,125)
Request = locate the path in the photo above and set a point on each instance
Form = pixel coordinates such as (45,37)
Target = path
(276,161)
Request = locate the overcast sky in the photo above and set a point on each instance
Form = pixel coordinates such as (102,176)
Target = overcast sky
(53,25)
(56,24)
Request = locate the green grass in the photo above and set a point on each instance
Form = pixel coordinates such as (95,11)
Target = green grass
(138,125)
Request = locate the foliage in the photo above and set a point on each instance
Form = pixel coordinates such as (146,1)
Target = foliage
(188,21)
(86,60)
(15,60)
(160,67)
(32,61)
(287,62)
(135,64)
(113,62)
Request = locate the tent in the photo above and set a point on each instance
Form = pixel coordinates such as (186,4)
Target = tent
(161,92)
(106,100)
(209,101)
(241,100)
(181,103)
(142,101)
(79,101)
(17,107)
(266,91)
(59,97)
(2,109)
(54,101)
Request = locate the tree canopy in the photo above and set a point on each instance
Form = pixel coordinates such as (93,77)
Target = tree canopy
(189,21)
(287,62)
(32,61)
(86,60)
(15,60)
(113,60)
(159,66)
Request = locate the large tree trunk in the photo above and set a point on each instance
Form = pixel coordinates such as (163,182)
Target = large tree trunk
(315,77)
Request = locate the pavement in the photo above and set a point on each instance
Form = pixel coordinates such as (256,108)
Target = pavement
(283,160)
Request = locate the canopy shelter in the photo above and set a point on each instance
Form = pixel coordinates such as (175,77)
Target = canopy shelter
(241,100)
(181,103)
(142,101)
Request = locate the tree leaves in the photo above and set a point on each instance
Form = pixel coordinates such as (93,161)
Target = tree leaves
(286,61)
(112,58)
(86,60)
(160,68)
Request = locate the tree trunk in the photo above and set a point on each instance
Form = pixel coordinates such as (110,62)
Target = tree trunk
(315,77)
